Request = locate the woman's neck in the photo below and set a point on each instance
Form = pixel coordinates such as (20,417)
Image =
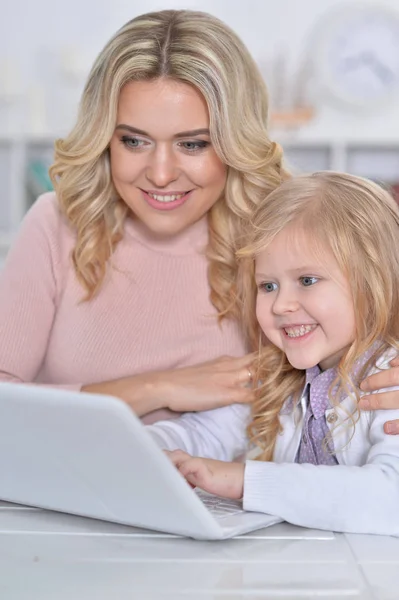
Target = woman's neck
(191,240)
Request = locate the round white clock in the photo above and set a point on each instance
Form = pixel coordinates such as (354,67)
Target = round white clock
(355,53)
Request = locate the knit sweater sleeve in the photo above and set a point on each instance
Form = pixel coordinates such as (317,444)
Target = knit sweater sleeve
(351,497)
(343,498)
(29,286)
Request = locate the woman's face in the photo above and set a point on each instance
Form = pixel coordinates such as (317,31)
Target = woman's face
(163,164)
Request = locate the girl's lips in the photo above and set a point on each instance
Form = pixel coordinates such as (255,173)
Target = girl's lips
(166,205)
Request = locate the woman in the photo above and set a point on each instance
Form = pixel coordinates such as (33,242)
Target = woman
(122,282)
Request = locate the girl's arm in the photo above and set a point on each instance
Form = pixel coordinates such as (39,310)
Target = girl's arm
(351,499)
(218,433)
(342,498)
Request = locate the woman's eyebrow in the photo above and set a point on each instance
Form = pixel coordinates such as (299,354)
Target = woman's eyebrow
(192,132)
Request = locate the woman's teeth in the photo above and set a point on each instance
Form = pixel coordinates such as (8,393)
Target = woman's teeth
(170,198)
(299,331)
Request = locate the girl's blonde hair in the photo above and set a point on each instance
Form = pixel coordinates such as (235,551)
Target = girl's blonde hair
(197,49)
(358,222)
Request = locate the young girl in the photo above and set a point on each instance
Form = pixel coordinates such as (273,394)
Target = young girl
(319,279)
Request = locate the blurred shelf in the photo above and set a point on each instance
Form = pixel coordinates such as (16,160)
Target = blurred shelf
(5,241)
(24,160)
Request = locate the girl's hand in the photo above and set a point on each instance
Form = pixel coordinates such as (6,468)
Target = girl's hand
(386,400)
(224,479)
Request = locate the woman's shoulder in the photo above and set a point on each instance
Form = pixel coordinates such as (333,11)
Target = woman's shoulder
(45,210)
(42,246)
(46,219)
(44,236)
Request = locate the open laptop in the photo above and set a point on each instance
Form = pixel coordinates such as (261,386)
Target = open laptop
(90,455)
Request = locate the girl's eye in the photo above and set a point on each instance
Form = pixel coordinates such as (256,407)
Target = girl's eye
(268,287)
(308,281)
(132,142)
(194,146)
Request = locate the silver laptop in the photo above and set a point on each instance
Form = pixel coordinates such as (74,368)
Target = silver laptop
(89,455)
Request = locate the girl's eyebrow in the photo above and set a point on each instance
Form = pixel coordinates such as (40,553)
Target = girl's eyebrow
(191,133)
(304,268)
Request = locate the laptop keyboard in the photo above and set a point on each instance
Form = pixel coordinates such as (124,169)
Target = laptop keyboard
(220,507)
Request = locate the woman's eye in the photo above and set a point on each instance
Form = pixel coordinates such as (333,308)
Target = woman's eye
(194,146)
(308,281)
(132,142)
(268,287)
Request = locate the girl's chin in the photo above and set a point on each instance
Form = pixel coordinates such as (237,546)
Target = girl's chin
(301,362)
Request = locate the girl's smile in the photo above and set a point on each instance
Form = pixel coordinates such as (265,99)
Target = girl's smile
(299,332)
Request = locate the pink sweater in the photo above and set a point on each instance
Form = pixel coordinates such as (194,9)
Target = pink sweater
(152,313)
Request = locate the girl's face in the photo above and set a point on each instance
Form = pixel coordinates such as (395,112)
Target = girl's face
(304,305)
(163,164)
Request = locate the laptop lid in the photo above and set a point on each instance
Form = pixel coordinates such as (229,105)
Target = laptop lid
(90,455)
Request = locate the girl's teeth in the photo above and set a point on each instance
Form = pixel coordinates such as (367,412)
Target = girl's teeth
(299,331)
(171,198)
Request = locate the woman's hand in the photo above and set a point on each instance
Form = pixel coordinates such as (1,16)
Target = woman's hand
(224,479)
(387,400)
(209,385)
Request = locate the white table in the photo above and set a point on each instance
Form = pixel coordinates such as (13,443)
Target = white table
(51,556)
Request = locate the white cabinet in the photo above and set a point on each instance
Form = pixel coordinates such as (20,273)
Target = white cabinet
(5,178)
(24,175)
(375,160)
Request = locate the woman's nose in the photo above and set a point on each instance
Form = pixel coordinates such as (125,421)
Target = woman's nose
(162,168)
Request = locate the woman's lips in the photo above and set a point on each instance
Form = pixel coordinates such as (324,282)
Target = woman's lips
(168,202)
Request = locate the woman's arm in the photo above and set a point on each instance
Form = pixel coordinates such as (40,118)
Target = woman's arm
(30,284)
(28,295)
(201,387)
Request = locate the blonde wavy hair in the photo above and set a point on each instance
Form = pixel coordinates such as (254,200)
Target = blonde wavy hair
(358,222)
(197,49)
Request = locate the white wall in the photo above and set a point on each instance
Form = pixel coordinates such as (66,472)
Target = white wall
(31,32)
